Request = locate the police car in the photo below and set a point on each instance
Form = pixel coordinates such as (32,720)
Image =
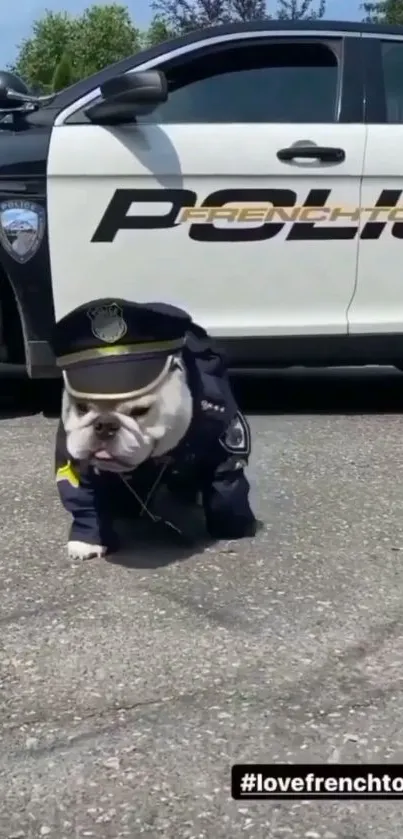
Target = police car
(250,173)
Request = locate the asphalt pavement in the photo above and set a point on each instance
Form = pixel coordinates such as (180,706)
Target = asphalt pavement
(128,687)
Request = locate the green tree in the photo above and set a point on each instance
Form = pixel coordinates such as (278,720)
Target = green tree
(300,10)
(98,37)
(63,75)
(157,33)
(184,15)
(39,55)
(103,35)
(385,11)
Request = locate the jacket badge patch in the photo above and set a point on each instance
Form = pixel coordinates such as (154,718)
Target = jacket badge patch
(237,438)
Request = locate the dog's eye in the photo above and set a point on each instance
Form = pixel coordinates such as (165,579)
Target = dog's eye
(81,408)
(139,412)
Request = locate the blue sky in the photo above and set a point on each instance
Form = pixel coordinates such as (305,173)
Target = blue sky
(13,28)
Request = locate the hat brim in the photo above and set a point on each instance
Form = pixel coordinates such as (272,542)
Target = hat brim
(115,378)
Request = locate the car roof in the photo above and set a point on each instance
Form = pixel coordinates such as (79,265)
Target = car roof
(79,89)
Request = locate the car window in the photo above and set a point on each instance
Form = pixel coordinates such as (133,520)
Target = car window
(392,62)
(279,82)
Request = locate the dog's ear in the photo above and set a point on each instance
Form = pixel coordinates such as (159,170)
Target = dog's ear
(177,363)
(66,406)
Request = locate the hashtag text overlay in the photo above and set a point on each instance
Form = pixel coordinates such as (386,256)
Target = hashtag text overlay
(369,781)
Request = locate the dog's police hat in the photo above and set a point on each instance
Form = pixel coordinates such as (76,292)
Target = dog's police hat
(111,348)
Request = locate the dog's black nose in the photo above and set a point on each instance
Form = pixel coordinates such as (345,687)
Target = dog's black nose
(106,426)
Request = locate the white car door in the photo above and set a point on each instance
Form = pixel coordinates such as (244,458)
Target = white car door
(377,306)
(237,107)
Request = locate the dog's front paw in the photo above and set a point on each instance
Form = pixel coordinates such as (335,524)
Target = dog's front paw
(82,550)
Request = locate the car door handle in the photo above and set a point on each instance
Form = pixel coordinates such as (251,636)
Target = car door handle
(328,154)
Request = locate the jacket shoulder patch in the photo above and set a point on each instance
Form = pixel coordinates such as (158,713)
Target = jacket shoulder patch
(237,439)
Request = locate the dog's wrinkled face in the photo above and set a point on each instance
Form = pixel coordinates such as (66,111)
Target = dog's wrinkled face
(120,435)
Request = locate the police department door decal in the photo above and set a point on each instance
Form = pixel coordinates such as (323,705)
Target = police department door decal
(22,227)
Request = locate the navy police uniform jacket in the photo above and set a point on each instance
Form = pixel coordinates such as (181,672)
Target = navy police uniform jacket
(210,460)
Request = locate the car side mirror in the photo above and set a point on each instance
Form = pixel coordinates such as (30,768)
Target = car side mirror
(127,96)
(15,95)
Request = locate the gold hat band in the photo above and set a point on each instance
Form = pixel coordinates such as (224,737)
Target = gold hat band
(118,350)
